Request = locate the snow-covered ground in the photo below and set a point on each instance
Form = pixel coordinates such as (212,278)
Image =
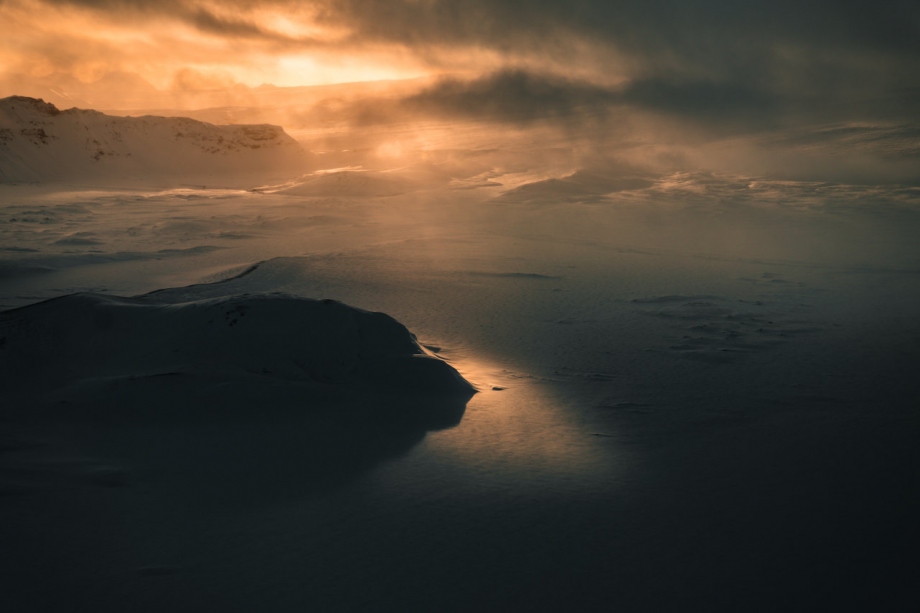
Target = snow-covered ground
(39,142)
(696,390)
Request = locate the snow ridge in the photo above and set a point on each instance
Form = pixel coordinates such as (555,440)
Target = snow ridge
(98,341)
(39,142)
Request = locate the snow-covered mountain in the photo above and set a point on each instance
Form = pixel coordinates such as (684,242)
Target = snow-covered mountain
(39,142)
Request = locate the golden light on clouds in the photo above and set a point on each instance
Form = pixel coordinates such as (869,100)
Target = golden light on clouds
(710,69)
(307,70)
(205,44)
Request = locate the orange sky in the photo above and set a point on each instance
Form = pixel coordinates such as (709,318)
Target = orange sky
(283,47)
(720,66)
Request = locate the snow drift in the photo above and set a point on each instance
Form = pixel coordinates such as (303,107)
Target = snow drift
(39,142)
(92,343)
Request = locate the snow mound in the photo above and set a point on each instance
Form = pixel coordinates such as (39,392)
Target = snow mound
(351,184)
(84,340)
(580,186)
(39,142)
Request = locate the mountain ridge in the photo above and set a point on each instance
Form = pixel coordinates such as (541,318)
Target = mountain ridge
(39,142)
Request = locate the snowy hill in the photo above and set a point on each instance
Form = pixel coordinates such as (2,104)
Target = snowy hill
(97,345)
(39,142)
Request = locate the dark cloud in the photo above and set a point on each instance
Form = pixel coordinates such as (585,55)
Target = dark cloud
(701,27)
(703,100)
(232,21)
(207,21)
(709,109)
(513,95)
(522,97)
(707,35)
(710,60)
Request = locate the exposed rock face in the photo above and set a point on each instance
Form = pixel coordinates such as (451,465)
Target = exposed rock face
(39,142)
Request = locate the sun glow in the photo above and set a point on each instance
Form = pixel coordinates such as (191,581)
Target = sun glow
(76,46)
(304,69)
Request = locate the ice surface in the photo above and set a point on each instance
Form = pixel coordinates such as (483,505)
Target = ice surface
(697,389)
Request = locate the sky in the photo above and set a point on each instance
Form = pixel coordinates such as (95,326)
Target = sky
(749,54)
(845,70)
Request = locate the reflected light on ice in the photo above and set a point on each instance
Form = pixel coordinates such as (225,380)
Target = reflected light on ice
(516,432)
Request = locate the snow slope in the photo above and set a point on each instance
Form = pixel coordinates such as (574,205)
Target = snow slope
(90,346)
(39,142)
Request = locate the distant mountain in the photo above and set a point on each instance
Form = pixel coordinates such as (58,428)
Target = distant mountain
(39,142)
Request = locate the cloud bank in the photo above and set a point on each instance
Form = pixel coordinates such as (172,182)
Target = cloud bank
(779,71)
